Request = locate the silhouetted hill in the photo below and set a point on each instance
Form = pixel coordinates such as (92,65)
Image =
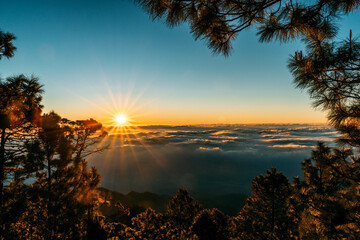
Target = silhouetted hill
(229,203)
(135,200)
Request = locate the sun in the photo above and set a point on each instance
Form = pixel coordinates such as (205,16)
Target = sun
(121,118)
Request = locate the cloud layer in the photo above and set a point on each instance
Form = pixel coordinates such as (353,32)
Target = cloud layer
(207,159)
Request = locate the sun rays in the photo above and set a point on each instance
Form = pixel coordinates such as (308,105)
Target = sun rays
(122,117)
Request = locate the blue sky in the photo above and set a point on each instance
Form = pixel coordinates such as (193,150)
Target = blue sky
(86,51)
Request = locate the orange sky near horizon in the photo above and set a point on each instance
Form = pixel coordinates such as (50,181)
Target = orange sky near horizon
(152,115)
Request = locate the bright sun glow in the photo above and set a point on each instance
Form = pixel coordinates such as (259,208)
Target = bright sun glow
(121,119)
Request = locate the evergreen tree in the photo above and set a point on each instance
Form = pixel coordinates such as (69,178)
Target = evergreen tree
(147,225)
(20,109)
(62,201)
(175,224)
(182,209)
(322,199)
(265,214)
(211,224)
(330,73)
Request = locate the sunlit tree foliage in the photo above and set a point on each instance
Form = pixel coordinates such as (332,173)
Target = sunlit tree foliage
(52,193)
(324,201)
(20,110)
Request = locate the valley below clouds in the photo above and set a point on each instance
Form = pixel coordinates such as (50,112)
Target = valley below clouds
(216,159)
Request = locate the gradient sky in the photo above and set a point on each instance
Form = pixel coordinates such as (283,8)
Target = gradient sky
(96,58)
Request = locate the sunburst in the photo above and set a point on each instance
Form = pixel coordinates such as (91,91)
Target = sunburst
(121,118)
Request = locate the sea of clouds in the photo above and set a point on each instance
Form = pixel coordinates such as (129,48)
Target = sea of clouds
(205,159)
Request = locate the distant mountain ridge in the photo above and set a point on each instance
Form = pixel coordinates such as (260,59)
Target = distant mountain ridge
(228,203)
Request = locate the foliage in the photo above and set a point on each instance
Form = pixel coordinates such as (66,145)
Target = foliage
(211,224)
(182,208)
(7,48)
(174,224)
(219,22)
(330,73)
(20,109)
(147,225)
(264,215)
(323,199)
(64,189)
(47,189)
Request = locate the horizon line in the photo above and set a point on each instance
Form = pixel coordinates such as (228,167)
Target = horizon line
(210,124)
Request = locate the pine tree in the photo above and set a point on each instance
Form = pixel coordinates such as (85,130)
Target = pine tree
(265,214)
(147,225)
(64,192)
(324,200)
(211,224)
(182,208)
(330,72)
(20,109)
